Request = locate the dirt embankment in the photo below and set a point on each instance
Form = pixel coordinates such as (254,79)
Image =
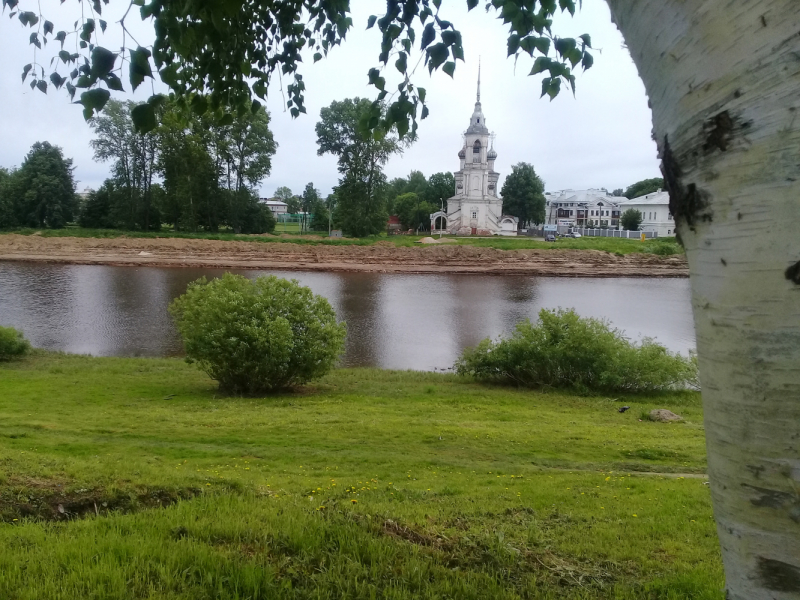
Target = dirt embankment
(381,257)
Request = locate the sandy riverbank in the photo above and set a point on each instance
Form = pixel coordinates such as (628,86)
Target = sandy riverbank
(381,257)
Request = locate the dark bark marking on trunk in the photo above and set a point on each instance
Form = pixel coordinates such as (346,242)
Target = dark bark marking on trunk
(769,498)
(778,576)
(718,132)
(686,202)
(793,273)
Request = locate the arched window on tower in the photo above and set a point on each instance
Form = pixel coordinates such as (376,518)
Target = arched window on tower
(476,151)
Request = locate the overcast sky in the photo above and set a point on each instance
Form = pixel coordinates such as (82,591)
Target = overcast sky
(599,138)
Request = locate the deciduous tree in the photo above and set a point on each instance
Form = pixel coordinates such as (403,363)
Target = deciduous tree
(43,190)
(361,192)
(523,194)
(645,186)
(631,219)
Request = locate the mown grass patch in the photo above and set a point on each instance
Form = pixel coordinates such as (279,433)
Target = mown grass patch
(368,484)
(619,246)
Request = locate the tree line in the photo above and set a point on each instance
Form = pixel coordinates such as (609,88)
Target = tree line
(195,173)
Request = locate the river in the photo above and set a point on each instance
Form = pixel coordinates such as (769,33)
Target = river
(394,321)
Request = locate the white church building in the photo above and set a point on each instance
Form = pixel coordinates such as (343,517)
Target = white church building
(476,209)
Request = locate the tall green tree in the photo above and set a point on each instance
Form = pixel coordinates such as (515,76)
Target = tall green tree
(413,211)
(191,169)
(247,147)
(441,186)
(134,156)
(645,186)
(631,219)
(43,189)
(361,192)
(7,217)
(523,195)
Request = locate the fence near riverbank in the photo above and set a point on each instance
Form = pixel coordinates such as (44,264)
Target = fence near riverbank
(597,232)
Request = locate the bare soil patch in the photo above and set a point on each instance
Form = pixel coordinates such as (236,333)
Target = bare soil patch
(381,258)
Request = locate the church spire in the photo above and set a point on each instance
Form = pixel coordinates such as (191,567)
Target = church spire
(479,79)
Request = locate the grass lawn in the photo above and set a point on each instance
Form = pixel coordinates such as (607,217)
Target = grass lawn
(662,246)
(134,478)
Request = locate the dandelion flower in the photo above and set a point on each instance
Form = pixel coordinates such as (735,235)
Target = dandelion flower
(354,501)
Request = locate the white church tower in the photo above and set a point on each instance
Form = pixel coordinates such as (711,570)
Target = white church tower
(475,209)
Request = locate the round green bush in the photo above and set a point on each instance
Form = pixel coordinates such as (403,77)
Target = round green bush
(12,344)
(257,336)
(563,349)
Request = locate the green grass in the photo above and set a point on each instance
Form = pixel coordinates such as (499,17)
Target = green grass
(368,484)
(620,246)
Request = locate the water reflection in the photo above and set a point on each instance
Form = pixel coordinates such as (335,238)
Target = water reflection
(394,321)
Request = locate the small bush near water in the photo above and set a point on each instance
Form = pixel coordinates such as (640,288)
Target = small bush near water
(564,350)
(12,344)
(257,336)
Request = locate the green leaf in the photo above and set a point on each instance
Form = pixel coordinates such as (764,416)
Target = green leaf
(25,70)
(587,61)
(513,44)
(57,80)
(144,118)
(428,35)
(47,27)
(586,39)
(71,90)
(541,64)
(376,79)
(87,30)
(64,56)
(93,100)
(199,104)
(371,21)
(227,118)
(437,54)
(140,66)
(400,63)
(471,4)
(28,18)
(422,92)
(102,62)
(34,39)
(545,85)
(113,82)
(317,57)
(567,5)
(449,67)
(61,36)
(41,85)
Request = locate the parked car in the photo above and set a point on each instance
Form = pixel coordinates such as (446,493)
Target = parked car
(549,238)
(572,235)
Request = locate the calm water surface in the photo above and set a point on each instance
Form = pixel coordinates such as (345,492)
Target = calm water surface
(394,321)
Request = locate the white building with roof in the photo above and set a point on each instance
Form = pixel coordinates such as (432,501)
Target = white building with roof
(276,206)
(476,209)
(656,216)
(582,208)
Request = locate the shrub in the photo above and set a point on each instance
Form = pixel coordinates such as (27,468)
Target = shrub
(12,344)
(257,336)
(564,350)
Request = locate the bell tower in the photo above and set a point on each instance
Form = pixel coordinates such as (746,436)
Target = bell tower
(475,208)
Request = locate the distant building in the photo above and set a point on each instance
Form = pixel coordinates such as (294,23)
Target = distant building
(475,209)
(276,206)
(656,216)
(84,195)
(582,208)
(394,225)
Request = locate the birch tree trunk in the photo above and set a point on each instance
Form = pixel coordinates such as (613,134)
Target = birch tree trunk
(723,79)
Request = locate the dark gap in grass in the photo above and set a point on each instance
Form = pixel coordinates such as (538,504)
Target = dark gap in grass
(49,501)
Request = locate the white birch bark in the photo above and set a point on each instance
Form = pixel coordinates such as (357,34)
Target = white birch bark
(723,79)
